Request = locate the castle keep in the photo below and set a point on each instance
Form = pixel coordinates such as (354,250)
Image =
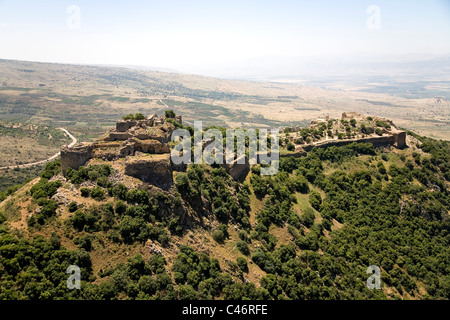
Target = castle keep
(143,143)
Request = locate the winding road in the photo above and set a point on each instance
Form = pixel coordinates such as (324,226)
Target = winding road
(27,165)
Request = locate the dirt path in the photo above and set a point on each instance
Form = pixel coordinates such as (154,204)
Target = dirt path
(27,165)
(160,100)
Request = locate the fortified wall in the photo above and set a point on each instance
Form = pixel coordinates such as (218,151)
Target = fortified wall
(144,145)
(393,137)
(149,136)
(396,139)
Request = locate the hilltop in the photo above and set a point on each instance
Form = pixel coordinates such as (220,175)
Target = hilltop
(140,227)
(37,98)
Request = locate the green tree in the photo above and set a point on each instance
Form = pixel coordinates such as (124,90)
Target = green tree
(315,200)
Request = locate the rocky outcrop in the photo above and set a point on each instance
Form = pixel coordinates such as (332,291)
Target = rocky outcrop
(238,170)
(153,169)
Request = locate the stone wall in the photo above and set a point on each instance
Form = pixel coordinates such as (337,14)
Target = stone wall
(153,169)
(128,138)
(75,156)
(376,141)
(400,139)
(124,125)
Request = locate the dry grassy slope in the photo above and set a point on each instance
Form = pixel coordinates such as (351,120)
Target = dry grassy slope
(106,254)
(429,116)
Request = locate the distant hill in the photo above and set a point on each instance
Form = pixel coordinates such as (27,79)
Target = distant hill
(87,99)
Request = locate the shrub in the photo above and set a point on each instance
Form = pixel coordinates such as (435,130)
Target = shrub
(79,220)
(382,124)
(315,200)
(243,235)
(93,175)
(301,184)
(224,229)
(103,181)
(169,114)
(85,192)
(139,116)
(120,207)
(97,193)
(84,242)
(242,264)
(290,146)
(39,194)
(218,236)
(73,206)
(120,191)
(128,117)
(308,217)
(243,248)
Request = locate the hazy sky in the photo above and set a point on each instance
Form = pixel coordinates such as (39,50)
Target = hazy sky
(186,34)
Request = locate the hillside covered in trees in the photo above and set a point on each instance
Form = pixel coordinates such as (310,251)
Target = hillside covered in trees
(308,232)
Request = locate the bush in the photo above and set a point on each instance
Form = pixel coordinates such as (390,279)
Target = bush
(382,124)
(120,191)
(290,146)
(128,117)
(84,242)
(73,206)
(224,229)
(301,184)
(242,264)
(243,235)
(139,116)
(315,200)
(79,220)
(39,194)
(93,175)
(85,192)
(169,114)
(218,236)
(308,217)
(243,248)
(120,207)
(103,181)
(97,193)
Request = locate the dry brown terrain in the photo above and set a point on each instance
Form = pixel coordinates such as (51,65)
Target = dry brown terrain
(89,95)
